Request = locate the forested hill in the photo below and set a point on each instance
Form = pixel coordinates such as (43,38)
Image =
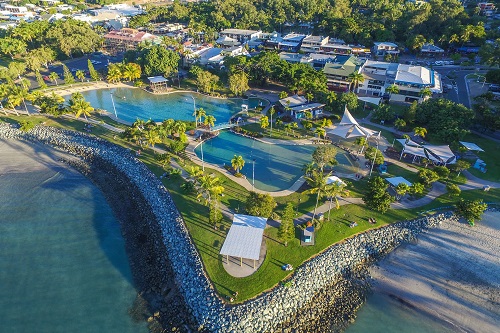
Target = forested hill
(355,21)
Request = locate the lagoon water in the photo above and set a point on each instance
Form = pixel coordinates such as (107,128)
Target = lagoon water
(133,103)
(63,266)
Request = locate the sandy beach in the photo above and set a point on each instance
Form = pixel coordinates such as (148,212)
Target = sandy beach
(452,273)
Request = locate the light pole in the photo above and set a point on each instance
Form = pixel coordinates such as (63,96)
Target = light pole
(202,162)
(194,110)
(253,174)
(113,102)
(373,162)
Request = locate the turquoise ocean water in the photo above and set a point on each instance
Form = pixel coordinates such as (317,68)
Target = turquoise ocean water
(63,266)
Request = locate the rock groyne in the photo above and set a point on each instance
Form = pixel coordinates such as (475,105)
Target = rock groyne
(331,283)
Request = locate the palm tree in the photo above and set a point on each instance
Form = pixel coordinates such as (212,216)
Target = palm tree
(264,122)
(238,163)
(114,73)
(331,97)
(362,142)
(425,92)
(210,121)
(78,105)
(420,131)
(168,126)
(178,127)
(355,78)
(309,97)
(80,75)
(152,137)
(317,181)
(210,188)
(53,76)
(308,169)
(198,114)
(320,132)
(271,111)
(283,94)
(332,191)
(399,123)
(131,71)
(392,89)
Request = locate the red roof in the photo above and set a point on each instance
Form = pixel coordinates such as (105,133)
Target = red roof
(133,36)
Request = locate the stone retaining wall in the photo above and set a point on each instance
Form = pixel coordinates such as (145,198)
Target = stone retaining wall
(270,310)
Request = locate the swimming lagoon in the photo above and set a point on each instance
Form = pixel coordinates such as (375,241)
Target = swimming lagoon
(275,166)
(134,103)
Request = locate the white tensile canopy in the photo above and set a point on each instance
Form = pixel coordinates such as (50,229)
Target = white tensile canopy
(440,154)
(244,238)
(395,181)
(334,179)
(350,128)
(471,146)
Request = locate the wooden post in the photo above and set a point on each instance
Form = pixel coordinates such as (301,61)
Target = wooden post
(241,261)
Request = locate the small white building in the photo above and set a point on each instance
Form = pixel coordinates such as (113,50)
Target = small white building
(383,48)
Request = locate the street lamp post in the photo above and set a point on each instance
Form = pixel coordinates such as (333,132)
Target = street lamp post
(202,162)
(114,107)
(253,174)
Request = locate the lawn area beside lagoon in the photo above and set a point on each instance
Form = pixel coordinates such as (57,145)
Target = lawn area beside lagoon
(208,240)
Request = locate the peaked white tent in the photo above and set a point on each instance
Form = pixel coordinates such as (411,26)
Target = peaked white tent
(350,128)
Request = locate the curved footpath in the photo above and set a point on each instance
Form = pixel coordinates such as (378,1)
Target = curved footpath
(301,304)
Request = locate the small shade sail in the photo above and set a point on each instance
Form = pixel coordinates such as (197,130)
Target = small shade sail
(395,181)
(471,146)
(372,100)
(244,238)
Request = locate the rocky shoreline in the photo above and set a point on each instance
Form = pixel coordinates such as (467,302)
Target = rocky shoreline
(321,296)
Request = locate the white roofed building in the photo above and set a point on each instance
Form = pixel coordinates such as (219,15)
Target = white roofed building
(383,48)
(240,35)
(410,80)
(313,43)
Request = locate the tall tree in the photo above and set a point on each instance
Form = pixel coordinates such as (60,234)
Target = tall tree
(377,197)
(68,76)
(94,75)
(286,231)
(355,78)
(198,115)
(324,155)
(238,83)
(332,191)
(317,182)
(53,76)
(159,61)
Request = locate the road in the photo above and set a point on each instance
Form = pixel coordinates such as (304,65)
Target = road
(457,78)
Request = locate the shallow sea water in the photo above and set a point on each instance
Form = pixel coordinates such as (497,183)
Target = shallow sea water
(63,266)
(383,314)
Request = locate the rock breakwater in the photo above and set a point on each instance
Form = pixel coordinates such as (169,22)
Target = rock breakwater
(331,283)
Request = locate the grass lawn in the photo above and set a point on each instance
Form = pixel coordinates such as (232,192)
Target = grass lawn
(489,156)
(388,135)
(208,240)
(278,133)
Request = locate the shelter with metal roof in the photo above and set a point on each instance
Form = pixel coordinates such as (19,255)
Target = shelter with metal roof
(244,238)
(157,83)
(395,181)
(437,154)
